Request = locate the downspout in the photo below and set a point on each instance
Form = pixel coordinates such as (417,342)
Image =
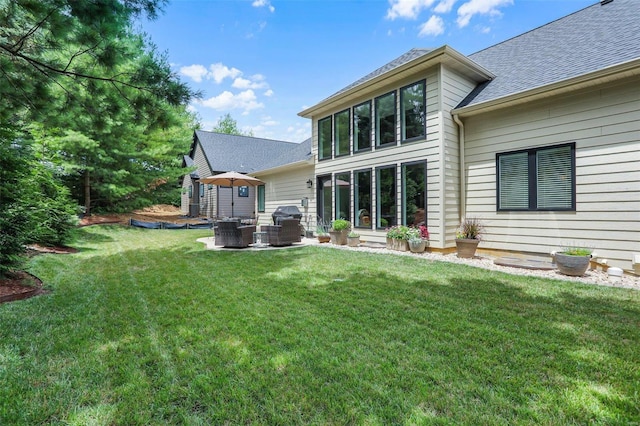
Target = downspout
(463,179)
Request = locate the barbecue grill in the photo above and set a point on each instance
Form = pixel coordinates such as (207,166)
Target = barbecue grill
(286,212)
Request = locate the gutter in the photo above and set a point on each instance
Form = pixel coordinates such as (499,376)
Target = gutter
(463,178)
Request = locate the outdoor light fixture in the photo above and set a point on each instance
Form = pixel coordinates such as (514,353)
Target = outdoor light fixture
(309,183)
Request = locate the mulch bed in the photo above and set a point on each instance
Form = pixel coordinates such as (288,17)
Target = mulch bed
(20,285)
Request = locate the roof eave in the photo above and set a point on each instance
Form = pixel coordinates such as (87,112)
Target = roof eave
(285,167)
(614,72)
(425,61)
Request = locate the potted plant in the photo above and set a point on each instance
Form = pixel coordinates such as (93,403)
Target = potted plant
(322,230)
(392,233)
(339,230)
(418,239)
(353,239)
(573,261)
(468,236)
(323,235)
(398,237)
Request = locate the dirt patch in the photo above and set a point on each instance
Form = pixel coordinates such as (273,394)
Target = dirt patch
(157,213)
(19,285)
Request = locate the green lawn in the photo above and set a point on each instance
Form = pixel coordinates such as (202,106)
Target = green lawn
(146,327)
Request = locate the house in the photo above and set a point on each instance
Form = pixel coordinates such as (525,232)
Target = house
(212,153)
(539,136)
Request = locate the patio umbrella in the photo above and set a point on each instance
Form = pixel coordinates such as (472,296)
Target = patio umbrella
(231,179)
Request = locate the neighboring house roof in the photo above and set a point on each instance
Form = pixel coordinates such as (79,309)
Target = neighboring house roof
(594,38)
(245,154)
(300,153)
(188,162)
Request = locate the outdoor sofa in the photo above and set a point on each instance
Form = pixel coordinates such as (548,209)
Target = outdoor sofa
(232,234)
(284,234)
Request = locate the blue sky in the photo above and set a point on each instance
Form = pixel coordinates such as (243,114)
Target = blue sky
(264,61)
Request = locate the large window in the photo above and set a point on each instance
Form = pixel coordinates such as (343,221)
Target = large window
(341,132)
(414,193)
(324,138)
(362,126)
(343,191)
(324,198)
(412,111)
(261,199)
(386,119)
(362,198)
(386,214)
(537,179)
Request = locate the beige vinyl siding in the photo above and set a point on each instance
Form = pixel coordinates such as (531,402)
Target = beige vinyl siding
(604,123)
(454,89)
(242,206)
(288,187)
(184,195)
(207,204)
(426,149)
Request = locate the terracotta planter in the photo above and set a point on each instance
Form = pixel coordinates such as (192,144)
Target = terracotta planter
(339,238)
(324,238)
(353,241)
(574,266)
(467,247)
(417,246)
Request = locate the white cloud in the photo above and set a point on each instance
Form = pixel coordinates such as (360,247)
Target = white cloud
(264,3)
(433,27)
(268,93)
(479,7)
(408,9)
(219,72)
(444,6)
(246,101)
(269,121)
(194,72)
(485,30)
(254,82)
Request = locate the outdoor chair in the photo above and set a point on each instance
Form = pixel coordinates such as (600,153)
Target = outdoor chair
(233,234)
(284,234)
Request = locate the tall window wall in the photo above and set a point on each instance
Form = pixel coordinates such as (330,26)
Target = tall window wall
(386,212)
(343,191)
(362,198)
(414,193)
(380,124)
(398,116)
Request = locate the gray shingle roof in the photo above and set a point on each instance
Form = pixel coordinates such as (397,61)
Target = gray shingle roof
(247,154)
(401,60)
(591,39)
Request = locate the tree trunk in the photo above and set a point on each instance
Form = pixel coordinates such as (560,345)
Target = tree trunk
(87,193)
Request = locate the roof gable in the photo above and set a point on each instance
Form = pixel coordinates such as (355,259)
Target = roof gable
(246,154)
